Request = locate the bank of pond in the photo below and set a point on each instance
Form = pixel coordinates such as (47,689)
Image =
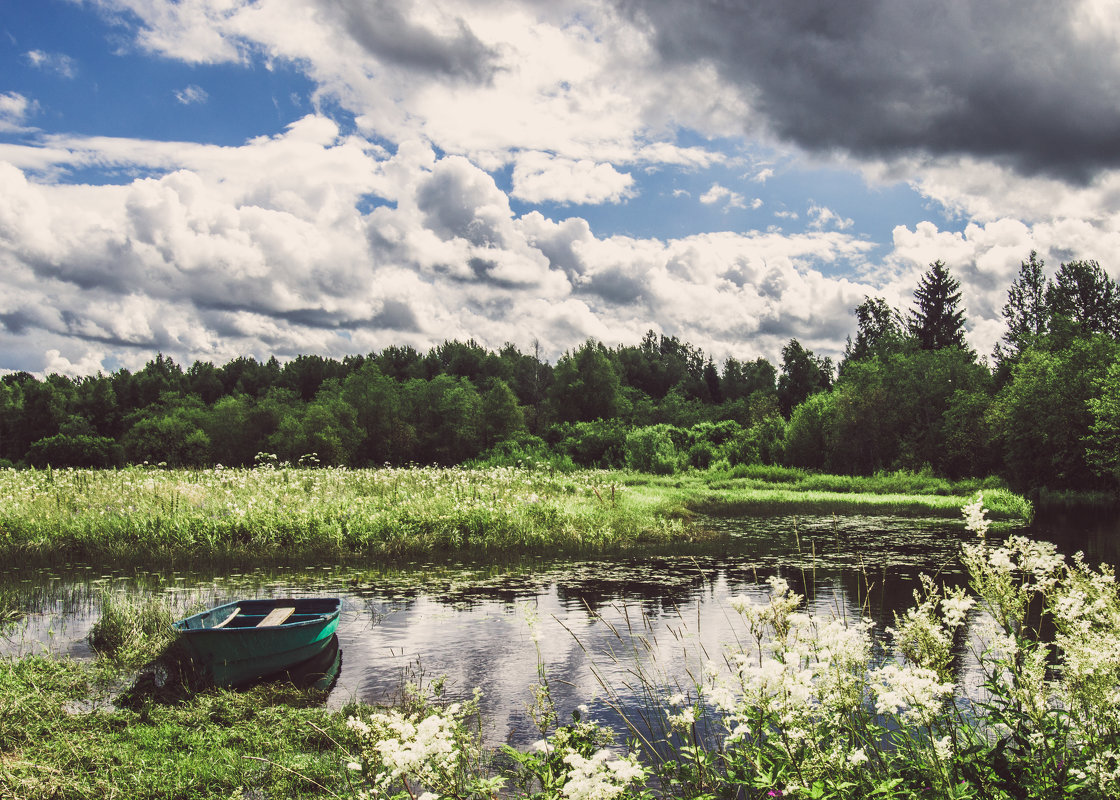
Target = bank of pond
(753,663)
(277,514)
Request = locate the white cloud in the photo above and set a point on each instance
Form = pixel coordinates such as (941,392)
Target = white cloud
(821,217)
(15,108)
(540,177)
(192,95)
(721,194)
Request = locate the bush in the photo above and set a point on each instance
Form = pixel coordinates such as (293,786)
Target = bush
(63,450)
(601,443)
(651,449)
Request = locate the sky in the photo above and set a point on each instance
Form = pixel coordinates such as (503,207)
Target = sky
(210,179)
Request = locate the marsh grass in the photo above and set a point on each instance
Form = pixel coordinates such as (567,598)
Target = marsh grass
(133,630)
(11,609)
(293,515)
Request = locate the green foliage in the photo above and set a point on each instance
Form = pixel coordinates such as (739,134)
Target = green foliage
(585,385)
(1027,313)
(803,375)
(1103,440)
(173,437)
(1085,298)
(1042,418)
(601,443)
(806,439)
(937,322)
(879,331)
(132,632)
(62,450)
(652,450)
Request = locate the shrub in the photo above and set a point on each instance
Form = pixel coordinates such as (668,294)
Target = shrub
(651,449)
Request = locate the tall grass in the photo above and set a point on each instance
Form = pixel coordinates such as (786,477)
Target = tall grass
(288,514)
(132,630)
(311,514)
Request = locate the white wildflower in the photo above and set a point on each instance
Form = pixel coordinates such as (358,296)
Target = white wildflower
(857,757)
(974,518)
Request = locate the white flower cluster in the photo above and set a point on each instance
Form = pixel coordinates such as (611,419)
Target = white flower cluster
(421,750)
(974,516)
(601,777)
(914,693)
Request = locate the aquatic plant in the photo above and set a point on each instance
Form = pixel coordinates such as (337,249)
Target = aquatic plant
(132,630)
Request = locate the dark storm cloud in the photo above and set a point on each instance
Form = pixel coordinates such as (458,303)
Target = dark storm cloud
(382,29)
(1007,79)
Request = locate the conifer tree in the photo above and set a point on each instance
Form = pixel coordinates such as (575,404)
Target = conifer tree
(938,323)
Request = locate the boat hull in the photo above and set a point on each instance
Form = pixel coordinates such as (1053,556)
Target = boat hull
(235,651)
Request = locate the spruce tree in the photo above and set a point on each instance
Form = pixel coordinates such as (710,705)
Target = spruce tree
(938,323)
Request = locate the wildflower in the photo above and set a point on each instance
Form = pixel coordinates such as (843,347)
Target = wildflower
(857,757)
(974,518)
(599,777)
(915,692)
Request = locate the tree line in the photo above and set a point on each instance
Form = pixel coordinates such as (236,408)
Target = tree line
(908,393)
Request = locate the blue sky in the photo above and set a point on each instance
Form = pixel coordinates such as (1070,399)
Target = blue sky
(216,178)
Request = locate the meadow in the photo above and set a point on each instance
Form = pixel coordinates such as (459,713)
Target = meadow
(276,513)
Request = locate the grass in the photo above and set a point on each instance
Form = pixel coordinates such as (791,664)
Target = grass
(770,491)
(270,515)
(61,737)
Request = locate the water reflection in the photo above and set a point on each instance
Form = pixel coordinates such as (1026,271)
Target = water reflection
(583,624)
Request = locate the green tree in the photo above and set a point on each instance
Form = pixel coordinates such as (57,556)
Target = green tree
(937,322)
(81,450)
(1085,297)
(204,381)
(807,435)
(446,414)
(1041,419)
(879,331)
(502,417)
(586,385)
(385,436)
(1103,441)
(1027,312)
(803,374)
(173,436)
(652,449)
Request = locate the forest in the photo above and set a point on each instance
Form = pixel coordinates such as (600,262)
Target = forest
(908,394)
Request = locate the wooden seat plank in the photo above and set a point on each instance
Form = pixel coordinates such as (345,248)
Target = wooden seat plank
(277,616)
(228,619)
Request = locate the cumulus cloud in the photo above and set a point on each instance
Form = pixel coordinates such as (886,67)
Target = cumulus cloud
(316,240)
(821,217)
(721,194)
(230,254)
(541,177)
(1026,83)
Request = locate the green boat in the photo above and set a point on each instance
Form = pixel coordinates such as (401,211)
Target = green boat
(239,642)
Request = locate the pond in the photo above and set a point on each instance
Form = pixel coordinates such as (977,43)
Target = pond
(583,624)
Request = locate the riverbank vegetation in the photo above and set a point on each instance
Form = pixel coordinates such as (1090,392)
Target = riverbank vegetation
(802,704)
(291,514)
(908,394)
